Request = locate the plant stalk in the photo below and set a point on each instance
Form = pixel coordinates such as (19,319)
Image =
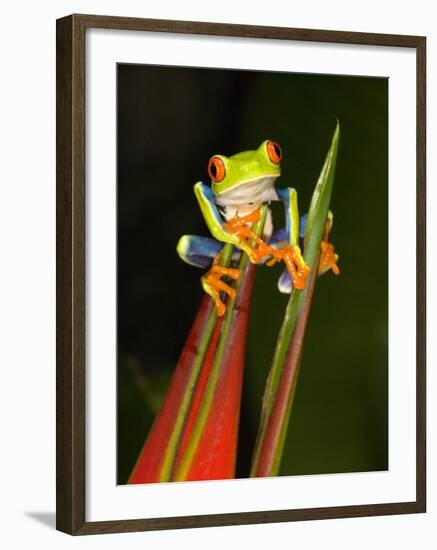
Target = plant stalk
(282,380)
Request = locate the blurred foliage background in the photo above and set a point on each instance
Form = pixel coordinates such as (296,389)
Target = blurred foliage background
(170,121)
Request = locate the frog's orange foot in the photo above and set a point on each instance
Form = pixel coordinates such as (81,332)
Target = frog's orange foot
(213,285)
(293,259)
(241,227)
(250,242)
(328,258)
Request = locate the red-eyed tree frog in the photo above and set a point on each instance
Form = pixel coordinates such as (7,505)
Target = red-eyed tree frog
(240,185)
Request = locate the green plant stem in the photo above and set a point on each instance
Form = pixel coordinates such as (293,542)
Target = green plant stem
(177,432)
(281,387)
(187,458)
(282,380)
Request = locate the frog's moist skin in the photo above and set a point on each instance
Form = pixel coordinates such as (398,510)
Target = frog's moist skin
(240,185)
(248,182)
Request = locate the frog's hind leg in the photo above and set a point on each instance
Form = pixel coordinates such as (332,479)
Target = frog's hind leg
(198,251)
(278,240)
(328,257)
(281,236)
(205,252)
(213,285)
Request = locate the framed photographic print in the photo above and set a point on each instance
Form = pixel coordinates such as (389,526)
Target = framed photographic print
(240,274)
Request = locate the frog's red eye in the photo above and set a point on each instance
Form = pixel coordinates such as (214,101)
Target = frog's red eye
(274,152)
(216,169)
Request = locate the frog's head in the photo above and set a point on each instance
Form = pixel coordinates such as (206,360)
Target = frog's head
(248,177)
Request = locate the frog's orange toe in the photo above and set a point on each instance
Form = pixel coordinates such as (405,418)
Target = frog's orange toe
(213,285)
(328,259)
(300,276)
(250,242)
(296,266)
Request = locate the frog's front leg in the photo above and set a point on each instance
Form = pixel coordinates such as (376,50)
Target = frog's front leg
(286,246)
(237,231)
(255,247)
(280,241)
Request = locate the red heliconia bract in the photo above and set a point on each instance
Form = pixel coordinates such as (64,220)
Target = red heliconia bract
(215,453)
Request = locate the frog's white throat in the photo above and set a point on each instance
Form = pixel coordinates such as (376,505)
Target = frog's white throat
(254,191)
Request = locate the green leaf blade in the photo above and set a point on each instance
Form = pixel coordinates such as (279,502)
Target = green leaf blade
(281,384)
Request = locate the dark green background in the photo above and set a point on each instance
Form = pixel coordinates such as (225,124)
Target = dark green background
(170,121)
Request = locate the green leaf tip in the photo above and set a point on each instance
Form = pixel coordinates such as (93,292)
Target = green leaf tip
(319,206)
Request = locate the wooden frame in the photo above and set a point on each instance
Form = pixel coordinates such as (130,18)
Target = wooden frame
(71,244)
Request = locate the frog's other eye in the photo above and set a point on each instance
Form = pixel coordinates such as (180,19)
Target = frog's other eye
(216,169)
(274,152)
